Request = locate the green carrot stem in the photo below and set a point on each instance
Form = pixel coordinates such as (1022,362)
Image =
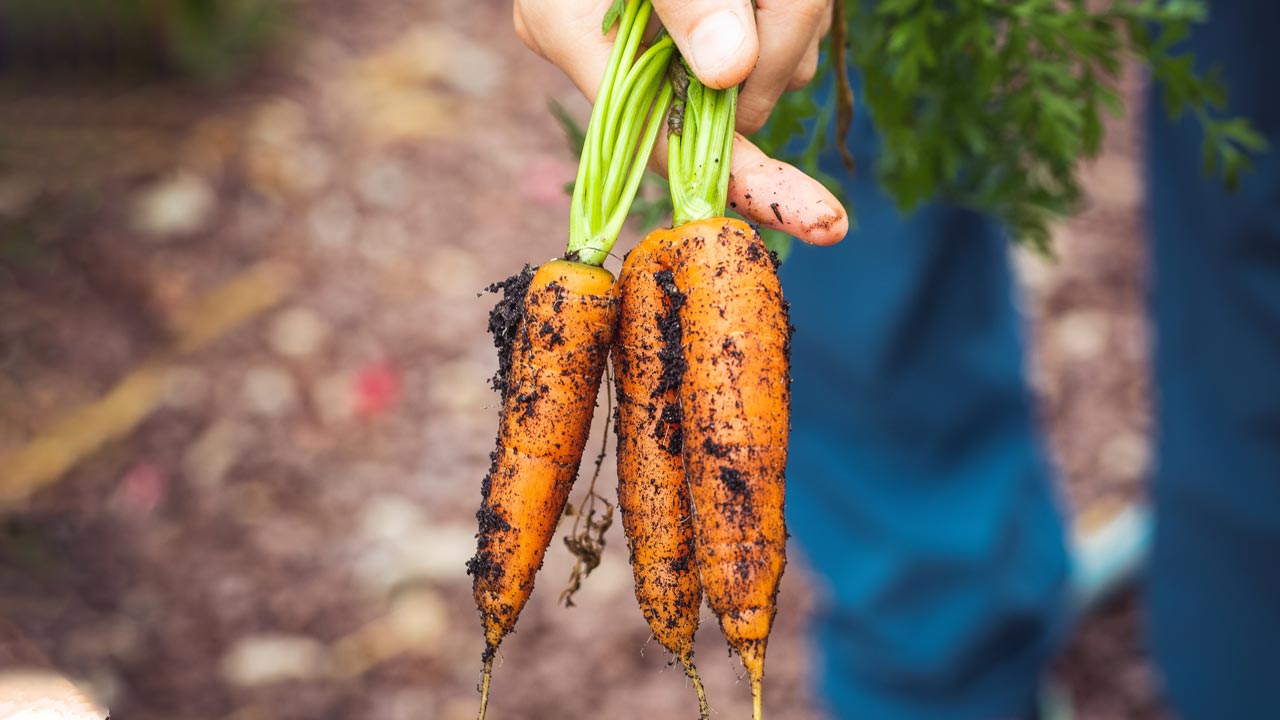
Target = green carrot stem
(642,84)
(633,100)
(656,121)
(699,147)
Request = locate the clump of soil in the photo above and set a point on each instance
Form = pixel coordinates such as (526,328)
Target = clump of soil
(504,322)
(673,363)
(672,352)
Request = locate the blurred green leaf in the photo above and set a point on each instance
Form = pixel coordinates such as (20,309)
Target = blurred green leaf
(574,133)
(992,103)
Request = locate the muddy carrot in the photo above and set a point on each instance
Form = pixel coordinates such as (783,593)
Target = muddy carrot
(734,409)
(735,389)
(556,325)
(554,328)
(652,492)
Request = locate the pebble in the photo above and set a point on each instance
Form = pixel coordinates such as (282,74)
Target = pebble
(419,618)
(298,333)
(386,185)
(409,704)
(416,624)
(461,387)
(477,70)
(386,517)
(393,533)
(278,122)
(463,64)
(299,172)
(1081,334)
(452,271)
(265,659)
(458,708)
(1126,455)
(331,222)
(451,546)
(207,461)
(384,241)
(268,391)
(312,167)
(178,205)
(1034,270)
(1113,182)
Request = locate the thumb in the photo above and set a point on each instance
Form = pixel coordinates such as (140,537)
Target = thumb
(716,37)
(568,38)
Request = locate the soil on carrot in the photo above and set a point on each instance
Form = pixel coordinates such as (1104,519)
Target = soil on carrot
(485,565)
(670,425)
(505,321)
(672,353)
(733,480)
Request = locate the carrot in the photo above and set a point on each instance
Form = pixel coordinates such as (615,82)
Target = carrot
(734,392)
(556,334)
(734,398)
(554,328)
(652,492)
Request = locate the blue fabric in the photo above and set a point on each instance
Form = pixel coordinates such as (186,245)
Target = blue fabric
(917,485)
(1215,575)
(919,490)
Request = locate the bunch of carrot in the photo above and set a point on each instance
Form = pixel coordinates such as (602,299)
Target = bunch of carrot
(700,341)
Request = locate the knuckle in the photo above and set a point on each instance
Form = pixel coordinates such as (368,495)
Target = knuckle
(804,73)
(751,117)
(813,11)
(522,27)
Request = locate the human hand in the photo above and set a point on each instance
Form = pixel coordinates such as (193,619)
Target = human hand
(773,49)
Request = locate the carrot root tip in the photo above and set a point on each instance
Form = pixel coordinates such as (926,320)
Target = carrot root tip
(484,683)
(757,701)
(704,710)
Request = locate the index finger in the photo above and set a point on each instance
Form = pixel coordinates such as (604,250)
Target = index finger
(779,195)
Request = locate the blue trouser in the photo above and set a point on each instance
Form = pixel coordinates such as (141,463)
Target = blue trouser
(1215,575)
(918,486)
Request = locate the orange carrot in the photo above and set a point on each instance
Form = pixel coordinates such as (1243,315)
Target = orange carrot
(554,338)
(734,411)
(652,492)
(555,329)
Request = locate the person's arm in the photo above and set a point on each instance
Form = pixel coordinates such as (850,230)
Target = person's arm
(773,48)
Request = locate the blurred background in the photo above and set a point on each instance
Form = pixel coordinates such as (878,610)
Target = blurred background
(243,402)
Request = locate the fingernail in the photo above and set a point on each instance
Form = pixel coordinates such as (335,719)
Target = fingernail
(715,42)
